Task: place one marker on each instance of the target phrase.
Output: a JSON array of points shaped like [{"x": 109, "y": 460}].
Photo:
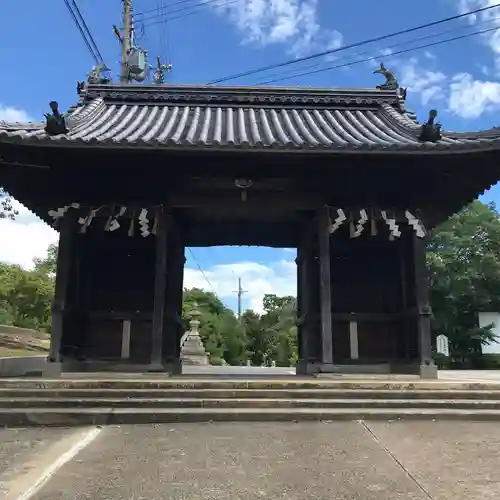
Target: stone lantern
[{"x": 192, "y": 350}]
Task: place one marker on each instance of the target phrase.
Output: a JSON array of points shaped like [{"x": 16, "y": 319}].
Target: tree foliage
[
  {"x": 464, "y": 268},
  {"x": 7, "y": 210},
  {"x": 47, "y": 265},
  {"x": 25, "y": 297}
]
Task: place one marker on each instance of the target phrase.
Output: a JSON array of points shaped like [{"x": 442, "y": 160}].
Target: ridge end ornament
[
  {"x": 391, "y": 82},
  {"x": 430, "y": 131},
  {"x": 55, "y": 121}
]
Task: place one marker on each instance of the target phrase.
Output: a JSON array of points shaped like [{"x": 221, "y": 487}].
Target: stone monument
[{"x": 192, "y": 350}]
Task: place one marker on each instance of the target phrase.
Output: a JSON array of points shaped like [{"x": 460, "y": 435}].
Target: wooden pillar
[
  {"x": 424, "y": 311},
  {"x": 353, "y": 340},
  {"x": 125, "y": 347},
  {"x": 63, "y": 270},
  {"x": 173, "y": 323},
  {"x": 325, "y": 286},
  {"x": 160, "y": 292},
  {"x": 302, "y": 320},
  {"x": 304, "y": 303}
]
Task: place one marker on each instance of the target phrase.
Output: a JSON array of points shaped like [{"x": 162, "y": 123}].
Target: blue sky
[{"x": 43, "y": 56}]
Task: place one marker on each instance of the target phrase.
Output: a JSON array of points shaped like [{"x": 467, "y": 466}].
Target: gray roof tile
[{"x": 259, "y": 118}]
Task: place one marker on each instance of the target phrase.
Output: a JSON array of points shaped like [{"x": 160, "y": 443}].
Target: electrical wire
[
  {"x": 91, "y": 38},
  {"x": 283, "y": 75},
  {"x": 192, "y": 9},
  {"x": 92, "y": 51},
  {"x": 352, "y": 45},
  {"x": 373, "y": 58},
  {"x": 202, "y": 272},
  {"x": 170, "y": 4},
  {"x": 164, "y": 35}
]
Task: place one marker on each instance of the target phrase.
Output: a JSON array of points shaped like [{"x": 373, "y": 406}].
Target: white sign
[{"x": 442, "y": 345}]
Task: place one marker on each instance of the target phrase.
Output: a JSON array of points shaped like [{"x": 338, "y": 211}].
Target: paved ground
[
  {"x": 240, "y": 371},
  {"x": 320, "y": 461},
  {"x": 257, "y": 371}
]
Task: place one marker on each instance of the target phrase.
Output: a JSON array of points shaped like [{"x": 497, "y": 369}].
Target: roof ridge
[{"x": 241, "y": 94}]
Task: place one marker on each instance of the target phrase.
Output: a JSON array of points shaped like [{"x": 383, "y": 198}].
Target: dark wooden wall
[
  {"x": 369, "y": 286},
  {"x": 112, "y": 280}
]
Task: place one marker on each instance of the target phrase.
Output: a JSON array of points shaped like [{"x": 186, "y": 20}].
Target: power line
[
  {"x": 368, "y": 59},
  {"x": 88, "y": 43},
  {"x": 202, "y": 272},
  {"x": 277, "y": 76},
  {"x": 192, "y": 9},
  {"x": 91, "y": 38},
  {"x": 165, "y": 6},
  {"x": 351, "y": 46},
  {"x": 164, "y": 35}
]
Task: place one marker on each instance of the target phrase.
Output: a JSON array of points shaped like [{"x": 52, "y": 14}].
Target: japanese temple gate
[{"x": 133, "y": 174}]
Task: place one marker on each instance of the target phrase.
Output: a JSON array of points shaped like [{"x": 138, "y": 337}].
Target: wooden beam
[{"x": 267, "y": 200}]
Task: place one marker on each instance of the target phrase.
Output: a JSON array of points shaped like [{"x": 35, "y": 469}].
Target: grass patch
[
  {"x": 23, "y": 342},
  {"x": 5, "y": 352}
]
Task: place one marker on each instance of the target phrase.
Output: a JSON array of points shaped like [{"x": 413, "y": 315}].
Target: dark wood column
[
  {"x": 300, "y": 307},
  {"x": 63, "y": 270},
  {"x": 325, "y": 286},
  {"x": 160, "y": 291},
  {"x": 422, "y": 300},
  {"x": 305, "y": 312},
  {"x": 173, "y": 323}
]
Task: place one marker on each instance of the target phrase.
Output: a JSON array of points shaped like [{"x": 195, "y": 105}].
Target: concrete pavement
[{"x": 320, "y": 461}]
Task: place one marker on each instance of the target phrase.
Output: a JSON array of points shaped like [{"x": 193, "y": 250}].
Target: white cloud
[
  {"x": 470, "y": 98},
  {"x": 465, "y": 96},
  {"x": 24, "y": 238},
  {"x": 428, "y": 84},
  {"x": 258, "y": 279},
  {"x": 10, "y": 114},
  {"x": 291, "y": 22},
  {"x": 491, "y": 17}
]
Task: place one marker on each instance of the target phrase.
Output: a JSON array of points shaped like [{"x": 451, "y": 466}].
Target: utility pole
[
  {"x": 240, "y": 293},
  {"x": 126, "y": 39}
]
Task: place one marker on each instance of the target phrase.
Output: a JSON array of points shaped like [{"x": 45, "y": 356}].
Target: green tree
[
  {"x": 7, "y": 210},
  {"x": 257, "y": 341},
  {"x": 464, "y": 268},
  {"x": 273, "y": 335},
  {"x": 223, "y": 337},
  {"x": 47, "y": 265},
  {"x": 25, "y": 297}
]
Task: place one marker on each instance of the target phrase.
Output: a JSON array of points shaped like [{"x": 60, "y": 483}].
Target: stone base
[
  {"x": 351, "y": 369},
  {"x": 195, "y": 360},
  {"x": 52, "y": 370},
  {"x": 156, "y": 367},
  {"x": 173, "y": 367},
  {"x": 301, "y": 367},
  {"x": 429, "y": 372}
]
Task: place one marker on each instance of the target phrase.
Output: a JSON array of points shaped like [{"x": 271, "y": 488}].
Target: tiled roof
[{"x": 245, "y": 118}]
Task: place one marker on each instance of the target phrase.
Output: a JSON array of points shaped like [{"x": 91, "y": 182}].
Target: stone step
[
  {"x": 140, "y": 382},
  {"x": 97, "y": 393},
  {"x": 19, "y": 417},
  {"x": 247, "y": 403}
]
